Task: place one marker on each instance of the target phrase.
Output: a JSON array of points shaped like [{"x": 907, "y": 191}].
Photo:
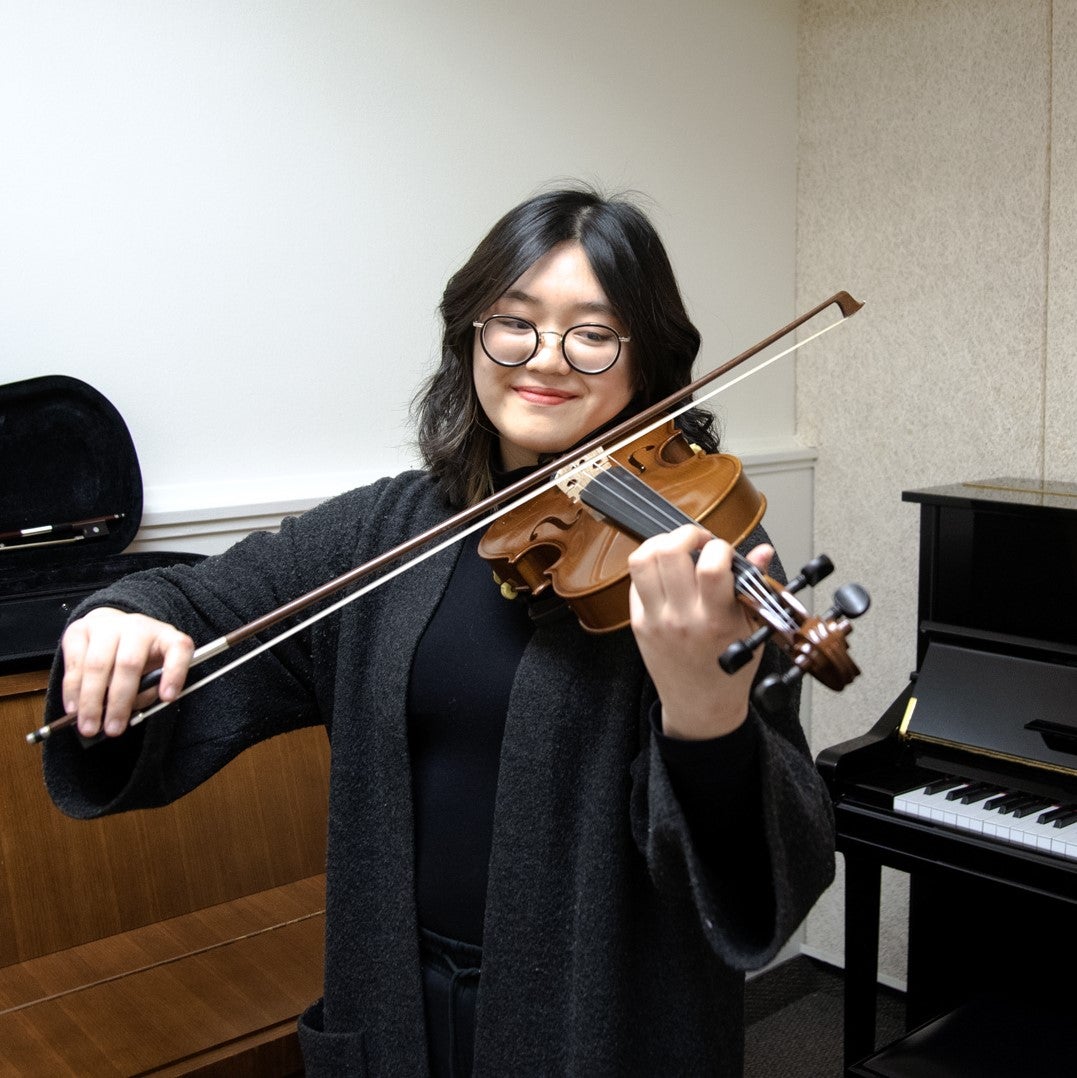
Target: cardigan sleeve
[
  {"x": 765, "y": 856},
  {"x": 175, "y": 750},
  {"x": 714, "y": 783},
  {"x": 743, "y": 823}
]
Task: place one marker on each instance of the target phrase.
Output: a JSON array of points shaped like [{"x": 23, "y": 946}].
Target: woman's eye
[
  {"x": 514, "y": 325},
  {"x": 594, "y": 335}
]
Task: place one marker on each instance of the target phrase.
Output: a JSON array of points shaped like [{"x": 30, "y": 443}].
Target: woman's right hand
[{"x": 106, "y": 653}]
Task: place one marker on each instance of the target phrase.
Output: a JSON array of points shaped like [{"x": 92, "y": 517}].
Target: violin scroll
[{"x": 816, "y": 645}]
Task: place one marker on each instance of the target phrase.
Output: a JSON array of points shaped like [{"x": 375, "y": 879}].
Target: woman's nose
[{"x": 549, "y": 354}]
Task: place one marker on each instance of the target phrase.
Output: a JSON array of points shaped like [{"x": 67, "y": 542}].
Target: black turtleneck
[{"x": 458, "y": 698}]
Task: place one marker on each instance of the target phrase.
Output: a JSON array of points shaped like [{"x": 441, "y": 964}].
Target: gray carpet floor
[{"x": 793, "y": 1016}]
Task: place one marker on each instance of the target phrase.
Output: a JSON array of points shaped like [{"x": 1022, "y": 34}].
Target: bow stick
[{"x": 471, "y": 519}]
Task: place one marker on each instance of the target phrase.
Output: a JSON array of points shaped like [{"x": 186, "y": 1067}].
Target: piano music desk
[{"x": 178, "y": 940}]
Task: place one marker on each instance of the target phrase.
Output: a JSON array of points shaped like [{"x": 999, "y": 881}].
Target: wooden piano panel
[
  {"x": 257, "y": 824},
  {"x": 175, "y": 991},
  {"x": 174, "y": 940}
]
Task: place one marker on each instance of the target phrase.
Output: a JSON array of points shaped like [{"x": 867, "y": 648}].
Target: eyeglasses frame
[{"x": 540, "y": 333}]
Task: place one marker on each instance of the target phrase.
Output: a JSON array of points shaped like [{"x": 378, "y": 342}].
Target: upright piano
[{"x": 968, "y": 783}]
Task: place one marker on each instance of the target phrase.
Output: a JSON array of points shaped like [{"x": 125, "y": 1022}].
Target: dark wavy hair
[{"x": 455, "y": 437}]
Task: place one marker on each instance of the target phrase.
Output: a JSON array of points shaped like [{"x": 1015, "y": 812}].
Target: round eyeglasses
[{"x": 511, "y": 341}]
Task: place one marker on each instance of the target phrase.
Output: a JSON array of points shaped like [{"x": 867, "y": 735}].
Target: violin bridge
[{"x": 574, "y": 477}]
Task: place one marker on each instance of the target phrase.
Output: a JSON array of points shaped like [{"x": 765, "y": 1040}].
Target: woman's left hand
[{"x": 684, "y": 615}]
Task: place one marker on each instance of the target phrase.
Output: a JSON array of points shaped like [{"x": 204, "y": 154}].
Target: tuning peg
[
  {"x": 739, "y": 652},
  {"x": 772, "y": 693},
  {"x": 850, "y": 600},
  {"x": 817, "y": 569},
  {"x": 736, "y": 655}
]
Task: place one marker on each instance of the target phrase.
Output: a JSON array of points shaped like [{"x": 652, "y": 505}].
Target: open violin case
[{"x": 70, "y": 505}]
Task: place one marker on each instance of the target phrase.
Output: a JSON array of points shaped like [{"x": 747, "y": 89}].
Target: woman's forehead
[{"x": 563, "y": 277}]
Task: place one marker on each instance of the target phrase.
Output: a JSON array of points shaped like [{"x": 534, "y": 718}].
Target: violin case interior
[{"x": 66, "y": 456}]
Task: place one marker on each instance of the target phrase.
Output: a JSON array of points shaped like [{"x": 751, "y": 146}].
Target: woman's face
[{"x": 545, "y": 406}]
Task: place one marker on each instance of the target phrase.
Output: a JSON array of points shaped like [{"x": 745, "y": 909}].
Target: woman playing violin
[{"x": 551, "y": 852}]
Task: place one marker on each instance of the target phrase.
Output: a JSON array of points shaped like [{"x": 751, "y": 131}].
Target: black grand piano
[{"x": 968, "y": 783}]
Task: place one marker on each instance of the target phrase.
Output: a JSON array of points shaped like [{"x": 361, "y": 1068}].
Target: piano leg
[{"x": 863, "y": 879}]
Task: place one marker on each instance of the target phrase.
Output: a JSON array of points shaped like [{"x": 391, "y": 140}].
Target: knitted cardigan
[{"x": 609, "y": 947}]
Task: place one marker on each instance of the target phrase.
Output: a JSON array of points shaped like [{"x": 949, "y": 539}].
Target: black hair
[{"x": 627, "y": 257}]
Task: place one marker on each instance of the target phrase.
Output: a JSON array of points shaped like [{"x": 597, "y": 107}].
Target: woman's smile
[{"x": 542, "y": 395}]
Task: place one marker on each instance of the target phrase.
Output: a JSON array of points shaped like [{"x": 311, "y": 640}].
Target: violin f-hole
[{"x": 635, "y": 461}]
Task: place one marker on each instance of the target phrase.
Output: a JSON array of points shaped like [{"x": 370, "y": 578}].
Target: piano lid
[
  {"x": 1000, "y": 705},
  {"x": 999, "y": 557},
  {"x": 1033, "y": 493}
]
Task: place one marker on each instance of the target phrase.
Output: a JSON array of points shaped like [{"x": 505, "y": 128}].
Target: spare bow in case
[{"x": 70, "y": 505}]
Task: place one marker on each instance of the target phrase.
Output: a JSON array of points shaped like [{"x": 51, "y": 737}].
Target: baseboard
[{"x": 838, "y": 962}]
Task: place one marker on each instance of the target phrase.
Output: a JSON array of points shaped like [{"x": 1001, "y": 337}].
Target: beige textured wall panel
[
  {"x": 1060, "y": 433},
  {"x": 923, "y": 190}
]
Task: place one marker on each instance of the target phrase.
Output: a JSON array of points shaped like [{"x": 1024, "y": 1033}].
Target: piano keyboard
[{"x": 1008, "y": 816}]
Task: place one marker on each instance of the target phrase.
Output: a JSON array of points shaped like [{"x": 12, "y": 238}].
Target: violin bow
[{"x": 471, "y": 519}]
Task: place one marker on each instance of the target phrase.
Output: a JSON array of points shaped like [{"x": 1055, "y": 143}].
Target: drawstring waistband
[{"x": 451, "y": 970}]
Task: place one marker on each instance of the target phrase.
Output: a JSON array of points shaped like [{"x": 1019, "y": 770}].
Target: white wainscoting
[
  {"x": 210, "y": 531},
  {"x": 208, "y": 519}
]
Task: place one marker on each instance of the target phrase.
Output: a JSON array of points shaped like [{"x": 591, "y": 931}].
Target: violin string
[
  {"x": 656, "y": 508},
  {"x": 626, "y": 488},
  {"x": 222, "y": 644}
]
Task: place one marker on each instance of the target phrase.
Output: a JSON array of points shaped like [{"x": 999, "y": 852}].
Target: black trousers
[{"x": 450, "y": 989}]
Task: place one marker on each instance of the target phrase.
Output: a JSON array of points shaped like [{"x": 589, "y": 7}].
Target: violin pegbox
[{"x": 816, "y": 645}]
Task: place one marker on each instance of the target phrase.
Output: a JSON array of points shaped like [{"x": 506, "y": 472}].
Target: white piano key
[{"x": 991, "y": 823}]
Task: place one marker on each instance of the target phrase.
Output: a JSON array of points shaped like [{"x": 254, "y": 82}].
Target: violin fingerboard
[{"x": 631, "y": 504}]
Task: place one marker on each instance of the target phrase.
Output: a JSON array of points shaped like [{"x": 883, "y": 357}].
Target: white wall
[{"x": 235, "y": 218}]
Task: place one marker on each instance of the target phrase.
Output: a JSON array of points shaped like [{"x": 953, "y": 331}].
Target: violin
[
  {"x": 815, "y": 645},
  {"x": 575, "y": 538},
  {"x": 554, "y": 542}
]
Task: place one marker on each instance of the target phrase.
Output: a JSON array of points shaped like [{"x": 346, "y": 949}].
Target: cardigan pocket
[{"x": 329, "y": 1055}]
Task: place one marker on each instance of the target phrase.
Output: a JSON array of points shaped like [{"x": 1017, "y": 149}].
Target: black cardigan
[{"x": 610, "y": 948}]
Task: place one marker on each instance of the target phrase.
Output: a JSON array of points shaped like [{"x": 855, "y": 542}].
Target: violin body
[{"x": 555, "y": 541}]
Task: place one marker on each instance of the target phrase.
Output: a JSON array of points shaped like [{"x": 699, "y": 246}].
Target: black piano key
[
  {"x": 939, "y": 785},
  {"x": 1035, "y": 804},
  {"x": 1003, "y": 802},
  {"x": 957, "y": 791},
  {"x": 1040, "y": 809},
  {"x": 978, "y": 791},
  {"x": 1017, "y": 802},
  {"x": 1066, "y": 819}
]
